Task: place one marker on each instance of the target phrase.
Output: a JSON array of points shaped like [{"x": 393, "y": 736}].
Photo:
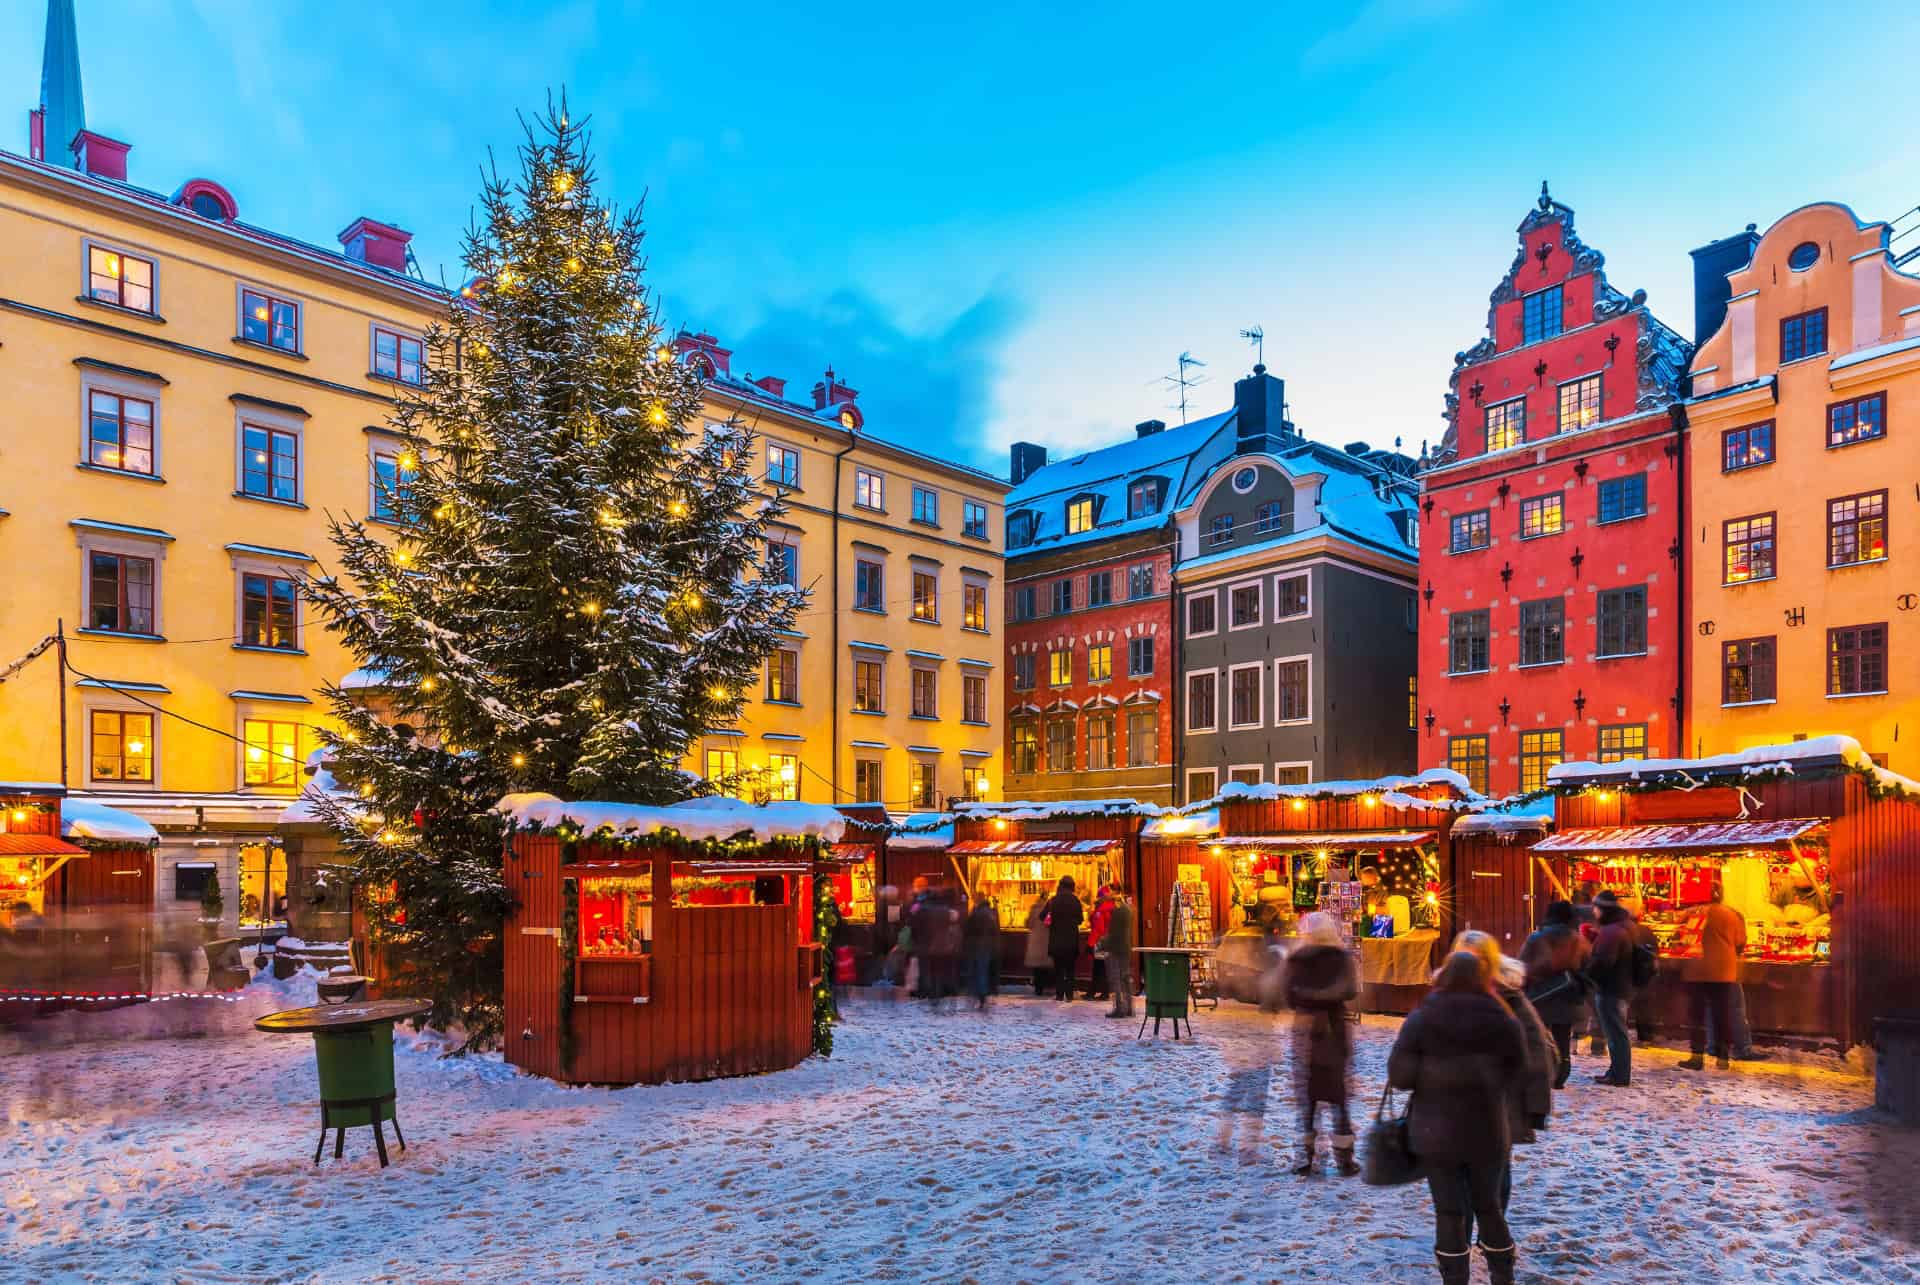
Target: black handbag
[{"x": 1389, "y": 1160}]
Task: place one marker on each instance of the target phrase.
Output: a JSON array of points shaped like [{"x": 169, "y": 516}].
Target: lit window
[
  {"x": 1471, "y": 531},
  {"x": 270, "y": 463},
  {"x": 1413, "y": 702},
  {"x": 269, "y": 615},
  {"x": 1626, "y": 741},
  {"x": 1026, "y": 748},
  {"x": 1080, "y": 516},
  {"x": 1541, "y": 515},
  {"x": 1747, "y": 672},
  {"x": 1467, "y": 755},
  {"x": 1579, "y": 403},
  {"x": 120, "y": 593},
  {"x": 1099, "y": 662},
  {"x": 120, "y": 432},
  {"x": 1861, "y": 420},
  {"x": 722, "y": 765},
  {"x": 267, "y": 320},
  {"x": 869, "y": 692},
  {"x": 1506, "y": 424},
  {"x": 783, "y": 675},
  {"x": 1745, "y": 447},
  {"x": 926, "y": 596},
  {"x": 1060, "y": 668},
  {"x": 1857, "y": 529},
  {"x": 122, "y": 748},
  {"x": 398, "y": 356},
  {"x": 973, "y": 606},
  {"x": 1749, "y": 548},
  {"x": 122, "y": 280},
  {"x": 1539, "y": 751},
  {"x": 272, "y": 752},
  {"x": 973, "y": 781},
  {"x": 783, "y": 773}
]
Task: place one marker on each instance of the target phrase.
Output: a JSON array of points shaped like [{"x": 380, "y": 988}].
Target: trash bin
[
  {"x": 353, "y": 1055},
  {"x": 1169, "y": 977}
]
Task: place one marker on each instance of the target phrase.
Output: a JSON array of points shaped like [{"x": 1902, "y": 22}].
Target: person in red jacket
[
  {"x": 1712, "y": 977},
  {"x": 1096, "y": 938}
]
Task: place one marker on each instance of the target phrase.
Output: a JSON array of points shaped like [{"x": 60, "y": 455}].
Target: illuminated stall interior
[{"x": 1013, "y": 872}]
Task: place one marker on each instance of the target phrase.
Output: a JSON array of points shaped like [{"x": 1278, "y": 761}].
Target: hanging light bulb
[
  {"x": 658, "y": 414},
  {"x": 407, "y": 461},
  {"x": 574, "y": 264},
  {"x": 718, "y": 692},
  {"x": 404, "y": 558},
  {"x": 563, "y": 182},
  {"x": 519, "y": 760},
  {"x": 427, "y": 684},
  {"x": 590, "y": 608},
  {"x": 665, "y": 354},
  {"x": 693, "y": 599},
  {"x": 677, "y": 508}
]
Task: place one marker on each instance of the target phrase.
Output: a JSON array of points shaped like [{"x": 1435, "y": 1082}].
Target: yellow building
[
  {"x": 887, "y": 691},
  {"x": 1804, "y": 473}
]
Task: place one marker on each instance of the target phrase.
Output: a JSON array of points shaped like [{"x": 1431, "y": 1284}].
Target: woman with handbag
[
  {"x": 1036, "y": 957},
  {"x": 1463, "y": 1056},
  {"x": 1555, "y": 957},
  {"x": 1320, "y": 981}
]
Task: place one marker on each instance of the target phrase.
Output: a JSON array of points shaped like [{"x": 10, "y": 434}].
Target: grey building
[{"x": 1295, "y": 607}]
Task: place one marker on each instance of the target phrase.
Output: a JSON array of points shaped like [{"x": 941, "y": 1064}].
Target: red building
[{"x": 1553, "y": 520}]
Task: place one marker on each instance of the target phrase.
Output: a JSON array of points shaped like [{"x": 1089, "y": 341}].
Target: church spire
[{"x": 60, "y": 94}]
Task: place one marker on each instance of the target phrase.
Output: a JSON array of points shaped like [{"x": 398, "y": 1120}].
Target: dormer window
[
  {"x": 1019, "y": 530},
  {"x": 1144, "y": 496},
  {"x": 848, "y": 419},
  {"x": 1080, "y": 514},
  {"x": 1540, "y": 315}
]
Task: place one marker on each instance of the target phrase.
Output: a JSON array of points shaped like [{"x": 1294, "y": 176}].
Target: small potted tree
[{"x": 213, "y": 907}]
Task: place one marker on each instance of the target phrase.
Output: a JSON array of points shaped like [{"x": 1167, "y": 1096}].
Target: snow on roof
[
  {"x": 304, "y": 809},
  {"x": 1388, "y": 788},
  {"x": 1761, "y": 760},
  {"x": 1509, "y": 816},
  {"x": 1859, "y": 355},
  {"x": 1202, "y": 824},
  {"x": 85, "y": 819},
  {"x": 923, "y": 830},
  {"x": 363, "y": 678},
  {"x": 1105, "y": 474},
  {"x": 1015, "y": 810},
  {"x": 702, "y": 818}
]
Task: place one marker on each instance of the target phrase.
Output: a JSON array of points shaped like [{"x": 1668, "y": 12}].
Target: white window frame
[
  {"x": 1187, "y": 602},
  {"x": 1278, "y": 661},
  {"x": 392, "y": 328},
  {"x": 799, "y": 463},
  {"x": 245, "y": 564},
  {"x": 1307, "y": 576},
  {"x": 240, "y": 289},
  {"x": 94, "y": 380},
  {"x": 1259, "y": 696},
  {"x": 1186, "y": 690},
  {"x": 253, "y": 413},
  {"x": 986, "y": 520},
  {"x": 863, "y": 476},
  {"x": 1259, "y": 773},
  {"x": 870, "y": 656},
  {"x": 980, "y": 676},
  {"x": 913, "y": 512},
  {"x": 88, "y": 245},
  {"x": 914, "y": 670},
  {"x": 107, "y": 704},
  {"x": 914, "y": 571},
  {"x": 799, "y": 667},
  {"x": 1260, "y": 605},
  {"x": 1306, "y": 763},
  {"x": 1212, "y": 775},
  {"x": 128, "y": 545},
  {"x": 968, "y": 582},
  {"x": 297, "y": 713},
  {"x": 915, "y": 762}
]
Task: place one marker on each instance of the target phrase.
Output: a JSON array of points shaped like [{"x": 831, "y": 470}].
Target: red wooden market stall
[{"x": 656, "y": 944}]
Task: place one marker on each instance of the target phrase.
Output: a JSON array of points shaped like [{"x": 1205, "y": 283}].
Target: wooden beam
[
  {"x": 1560, "y": 889},
  {"x": 46, "y": 872}
]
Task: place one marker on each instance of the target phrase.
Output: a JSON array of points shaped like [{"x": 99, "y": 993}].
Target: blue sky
[{"x": 1004, "y": 222}]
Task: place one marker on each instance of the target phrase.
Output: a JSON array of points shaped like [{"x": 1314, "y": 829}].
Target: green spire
[{"x": 60, "y": 92}]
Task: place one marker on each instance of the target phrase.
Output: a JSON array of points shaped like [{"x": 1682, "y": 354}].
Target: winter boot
[
  {"x": 1499, "y": 1264},
  {"x": 1721, "y": 1064},
  {"x": 1343, "y": 1155},
  {"x": 1455, "y": 1269},
  {"x": 1305, "y": 1168},
  {"x": 1694, "y": 1063}
]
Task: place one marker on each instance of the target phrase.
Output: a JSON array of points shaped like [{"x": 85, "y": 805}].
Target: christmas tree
[{"x": 567, "y": 594}]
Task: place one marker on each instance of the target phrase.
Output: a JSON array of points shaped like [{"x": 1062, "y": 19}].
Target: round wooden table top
[
  {"x": 1173, "y": 950},
  {"x": 341, "y": 1017}
]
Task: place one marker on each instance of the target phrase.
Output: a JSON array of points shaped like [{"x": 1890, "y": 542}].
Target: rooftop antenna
[
  {"x": 1258, "y": 338},
  {"x": 1183, "y": 381}
]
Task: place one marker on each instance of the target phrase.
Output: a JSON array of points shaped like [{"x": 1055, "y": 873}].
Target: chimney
[
  {"x": 1711, "y": 264},
  {"x": 100, "y": 156},
  {"x": 1028, "y": 459},
  {"x": 831, "y": 392},
  {"x": 771, "y": 385},
  {"x": 37, "y": 134},
  {"x": 1260, "y": 406},
  {"x": 1148, "y": 427},
  {"x": 378, "y": 245},
  {"x": 704, "y": 351},
  {"x": 1360, "y": 449}
]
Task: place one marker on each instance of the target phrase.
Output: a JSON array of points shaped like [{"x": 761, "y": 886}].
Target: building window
[
  {"x": 1292, "y": 773},
  {"x": 1747, "y": 671},
  {"x": 866, "y": 780},
  {"x": 721, "y": 764},
  {"x": 869, "y": 490},
  {"x": 783, "y": 466},
  {"x": 1140, "y": 581},
  {"x": 1062, "y": 597},
  {"x": 1201, "y": 615},
  {"x": 1467, "y": 755},
  {"x": 869, "y": 687},
  {"x": 1243, "y": 605},
  {"x": 973, "y": 698},
  {"x": 1413, "y": 702},
  {"x": 1471, "y": 531},
  {"x": 1857, "y": 660},
  {"x": 1244, "y": 696},
  {"x": 1060, "y": 669},
  {"x": 272, "y": 752},
  {"x": 783, "y": 773},
  {"x": 1143, "y": 737},
  {"x": 1020, "y": 530},
  {"x": 1857, "y": 529},
  {"x": 1746, "y": 447},
  {"x": 1023, "y": 603},
  {"x": 392, "y": 475},
  {"x": 270, "y": 463},
  {"x": 1143, "y": 498},
  {"x": 1060, "y": 745},
  {"x": 973, "y": 607},
  {"x": 1861, "y": 420},
  {"x": 1579, "y": 403},
  {"x": 399, "y": 357},
  {"x": 1467, "y": 634},
  {"x": 869, "y": 586},
  {"x": 1803, "y": 335},
  {"x": 1248, "y": 774},
  {"x": 1540, "y": 315},
  {"x": 1623, "y": 621},
  {"x": 926, "y": 596},
  {"x": 783, "y": 563},
  {"x": 973, "y": 781},
  {"x": 122, "y": 280},
  {"x": 267, "y": 320},
  {"x": 1623, "y": 497},
  {"x": 783, "y": 675},
  {"x": 1538, "y": 752},
  {"x": 1100, "y": 589},
  {"x": 1542, "y": 515},
  {"x": 1272, "y": 518},
  {"x": 1293, "y": 691},
  {"x": 1099, "y": 662},
  {"x": 925, "y": 693},
  {"x": 1099, "y": 742},
  {"x": 920, "y": 791},
  {"x": 1201, "y": 784},
  {"x": 1543, "y": 632},
  {"x": 926, "y": 506},
  {"x": 1023, "y": 672},
  {"x": 1506, "y": 424},
  {"x": 120, "y": 593},
  {"x": 1080, "y": 515},
  {"x": 1026, "y": 748},
  {"x": 1749, "y": 548},
  {"x": 973, "y": 519},
  {"x": 1290, "y": 597},
  {"x": 1625, "y": 741},
  {"x": 1220, "y": 531},
  {"x": 268, "y": 613},
  {"x": 122, "y": 746},
  {"x": 1203, "y": 714},
  {"x": 119, "y": 432},
  {"x": 1140, "y": 657}
]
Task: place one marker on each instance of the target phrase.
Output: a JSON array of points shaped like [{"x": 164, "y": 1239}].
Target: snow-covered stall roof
[
  {"x": 1203, "y": 823},
  {"x": 85, "y": 819},
  {"x": 1389, "y": 789},
  {"x": 923, "y": 830},
  {"x": 361, "y": 679},
  {"x": 304, "y": 809},
  {"x": 1761, "y": 761},
  {"x": 1696, "y": 836},
  {"x": 704, "y": 818},
  {"x": 1065, "y": 809},
  {"x": 1509, "y": 816}
]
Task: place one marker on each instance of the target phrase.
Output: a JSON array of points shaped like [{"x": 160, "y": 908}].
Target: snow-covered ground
[{"x": 1034, "y": 1143}]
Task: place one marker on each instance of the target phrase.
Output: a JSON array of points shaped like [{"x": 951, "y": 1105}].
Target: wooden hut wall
[
  {"x": 1876, "y": 871},
  {"x": 108, "y": 876},
  {"x": 1330, "y": 815},
  {"x": 1496, "y": 887},
  {"x": 901, "y": 866},
  {"x": 1159, "y": 865}
]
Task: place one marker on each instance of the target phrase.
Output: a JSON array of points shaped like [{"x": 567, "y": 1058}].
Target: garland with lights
[
  {"x": 674, "y": 844},
  {"x": 569, "y": 946},
  {"x": 826, "y": 917}
]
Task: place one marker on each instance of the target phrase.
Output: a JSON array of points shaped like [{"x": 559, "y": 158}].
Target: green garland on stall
[
  {"x": 675, "y": 844},
  {"x": 826, "y": 917},
  {"x": 569, "y": 944}
]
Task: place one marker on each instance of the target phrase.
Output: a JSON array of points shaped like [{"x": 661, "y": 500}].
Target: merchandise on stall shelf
[
  {"x": 1012, "y": 883},
  {"x": 616, "y": 916}
]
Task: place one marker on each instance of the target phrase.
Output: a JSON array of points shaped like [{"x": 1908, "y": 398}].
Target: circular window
[
  {"x": 1244, "y": 479},
  {"x": 1804, "y": 256}
]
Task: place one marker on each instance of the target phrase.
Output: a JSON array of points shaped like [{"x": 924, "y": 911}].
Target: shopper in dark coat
[
  {"x": 1610, "y": 968},
  {"x": 1463, "y": 1056},
  {"x": 982, "y": 947},
  {"x": 1527, "y": 1110},
  {"x": 1555, "y": 958},
  {"x": 1036, "y": 957},
  {"x": 1064, "y": 916},
  {"x": 1119, "y": 945},
  {"x": 1319, "y": 982}
]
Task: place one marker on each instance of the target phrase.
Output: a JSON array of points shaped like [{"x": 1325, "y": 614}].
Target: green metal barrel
[
  {"x": 1169, "y": 979},
  {"x": 356, "y": 1065}
]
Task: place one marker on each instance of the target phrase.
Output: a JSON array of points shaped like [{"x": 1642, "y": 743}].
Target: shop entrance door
[{"x": 263, "y": 886}]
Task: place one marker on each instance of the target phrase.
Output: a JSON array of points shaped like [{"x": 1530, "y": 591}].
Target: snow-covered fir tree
[{"x": 567, "y": 593}]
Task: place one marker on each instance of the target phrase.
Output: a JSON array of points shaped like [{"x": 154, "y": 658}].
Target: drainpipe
[
  {"x": 1684, "y": 682},
  {"x": 853, "y": 440},
  {"x": 1178, "y": 686}
]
